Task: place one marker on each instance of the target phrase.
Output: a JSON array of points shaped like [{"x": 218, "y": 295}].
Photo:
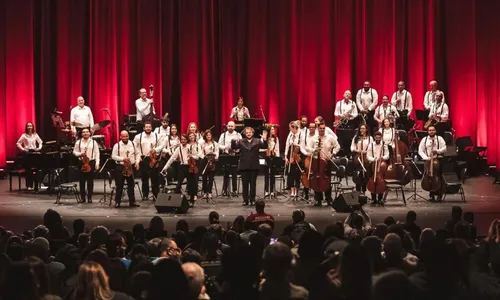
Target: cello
[
  {"x": 361, "y": 163},
  {"x": 399, "y": 169},
  {"x": 319, "y": 171},
  {"x": 376, "y": 183},
  {"x": 430, "y": 181}
]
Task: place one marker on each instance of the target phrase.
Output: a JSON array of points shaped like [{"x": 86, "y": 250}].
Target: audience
[{"x": 260, "y": 217}]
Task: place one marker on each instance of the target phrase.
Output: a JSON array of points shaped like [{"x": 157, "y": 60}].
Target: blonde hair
[
  {"x": 294, "y": 124},
  {"x": 92, "y": 283}
]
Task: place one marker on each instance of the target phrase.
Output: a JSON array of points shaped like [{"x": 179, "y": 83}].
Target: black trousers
[
  {"x": 249, "y": 181},
  {"x": 192, "y": 180},
  {"x": 269, "y": 178},
  {"x": 230, "y": 170},
  {"x": 119, "y": 181},
  {"x": 31, "y": 175},
  {"x": 318, "y": 196},
  {"x": 146, "y": 174},
  {"x": 377, "y": 197},
  {"x": 207, "y": 181},
  {"x": 294, "y": 176},
  {"x": 89, "y": 179}
]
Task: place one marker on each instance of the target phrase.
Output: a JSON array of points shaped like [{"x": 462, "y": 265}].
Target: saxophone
[
  {"x": 343, "y": 119},
  {"x": 127, "y": 168}
]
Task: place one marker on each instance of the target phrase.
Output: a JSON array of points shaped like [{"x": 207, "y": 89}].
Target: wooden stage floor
[{"x": 23, "y": 210}]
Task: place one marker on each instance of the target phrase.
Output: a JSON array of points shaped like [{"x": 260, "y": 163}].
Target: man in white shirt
[
  {"x": 303, "y": 125},
  {"x": 328, "y": 131},
  {"x": 345, "y": 110},
  {"x": 125, "y": 152},
  {"x": 439, "y": 112},
  {"x": 385, "y": 111},
  {"x": 367, "y": 100},
  {"x": 430, "y": 96},
  {"x": 81, "y": 115},
  {"x": 402, "y": 100},
  {"x": 240, "y": 112},
  {"x": 146, "y": 142},
  {"x": 143, "y": 106},
  {"x": 432, "y": 146},
  {"x": 89, "y": 148},
  {"x": 377, "y": 150},
  {"x": 225, "y": 146},
  {"x": 164, "y": 130}
]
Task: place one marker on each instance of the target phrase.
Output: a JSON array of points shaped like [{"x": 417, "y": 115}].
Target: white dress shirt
[
  {"x": 390, "y": 112},
  {"x": 170, "y": 143},
  {"x": 328, "y": 131},
  {"x": 292, "y": 140},
  {"x": 388, "y": 136},
  {"x": 426, "y": 147},
  {"x": 439, "y": 110},
  {"x": 367, "y": 100},
  {"x": 209, "y": 148},
  {"x": 240, "y": 114},
  {"x": 304, "y": 146},
  {"x": 430, "y": 98},
  {"x": 82, "y": 115},
  {"x": 162, "y": 132},
  {"x": 273, "y": 144},
  {"x": 182, "y": 154},
  {"x": 342, "y": 108},
  {"x": 120, "y": 150},
  {"x": 225, "y": 140},
  {"x": 143, "y": 107},
  {"x": 329, "y": 146},
  {"x": 375, "y": 151},
  {"x": 362, "y": 144},
  {"x": 89, "y": 147},
  {"x": 29, "y": 142},
  {"x": 144, "y": 141},
  {"x": 405, "y": 103}
]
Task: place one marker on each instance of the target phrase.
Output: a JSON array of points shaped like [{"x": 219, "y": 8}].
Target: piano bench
[
  {"x": 19, "y": 173},
  {"x": 70, "y": 188}
]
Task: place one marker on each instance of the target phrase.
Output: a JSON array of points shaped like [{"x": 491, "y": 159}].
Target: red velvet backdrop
[{"x": 291, "y": 57}]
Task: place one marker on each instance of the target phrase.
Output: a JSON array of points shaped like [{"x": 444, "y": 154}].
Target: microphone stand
[
  {"x": 103, "y": 198},
  {"x": 415, "y": 195}
]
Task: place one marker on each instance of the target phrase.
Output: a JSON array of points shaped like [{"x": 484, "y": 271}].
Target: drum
[{"x": 100, "y": 141}]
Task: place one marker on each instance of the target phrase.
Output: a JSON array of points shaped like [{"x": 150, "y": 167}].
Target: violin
[
  {"x": 376, "y": 183},
  {"x": 85, "y": 162},
  {"x": 153, "y": 158},
  {"x": 305, "y": 175},
  {"x": 192, "y": 164},
  {"x": 127, "y": 168},
  {"x": 210, "y": 166},
  {"x": 430, "y": 181},
  {"x": 295, "y": 155}
]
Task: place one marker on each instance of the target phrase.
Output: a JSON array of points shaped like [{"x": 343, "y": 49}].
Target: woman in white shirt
[
  {"x": 388, "y": 134},
  {"x": 170, "y": 143},
  {"x": 209, "y": 154},
  {"x": 29, "y": 142}
]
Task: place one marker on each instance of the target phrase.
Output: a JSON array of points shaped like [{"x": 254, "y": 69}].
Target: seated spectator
[
  {"x": 392, "y": 285},
  {"x": 248, "y": 231},
  {"x": 139, "y": 234},
  {"x": 357, "y": 224},
  {"x": 156, "y": 229},
  {"x": 20, "y": 283},
  {"x": 389, "y": 221},
  {"x": 469, "y": 218},
  {"x": 190, "y": 255},
  {"x": 456, "y": 216},
  {"x": 168, "y": 281},
  {"x": 372, "y": 246},
  {"x": 238, "y": 224},
  {"x": 260, "y": 217},
  {"x": 412, "y": 227},
  {"x": 182, "y": 225},
  {"x": 196, "y": 278},
  {"x": 396, "y": 257},
  {"x": 78, "y": 228},
  {"x": 335, "y": 230},
  {"x": 213, "y": 218}
]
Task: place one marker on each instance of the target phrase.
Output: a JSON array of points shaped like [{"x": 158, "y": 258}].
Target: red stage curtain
[{"x": 289, "y": 57}]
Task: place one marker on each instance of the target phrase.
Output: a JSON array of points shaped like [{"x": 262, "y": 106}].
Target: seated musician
[
  {"x": 359, "y": 147},
  {"x": 385, "y": 111},
  {"x": 388, "y": 134},
  {"x": 440, "y": 112},
  {"x": 402, "y": 100},
  {"x": 324, "y": 147},
  {"x": 272, "y": 151},
  {"x": 367, "y": 100},
  {"x": 209, "y": 154},
  {"x": 183, "y": 153},
  {"x": 240, "y": 112},
  {"x": 30, "y": 142},
  {"x": 346, "y": 111},
  {"x": 311, "y": 133},
  {"x": 432, "y": 146},
  {"x": 430, "y": 96},
  {"x": 89, "y": 148},
  {"x": 225, "y": 147},
  {"x": 125, "y": 155},
  {"x": 377, "y": 150},
  {"x": 293, "y": 168}
]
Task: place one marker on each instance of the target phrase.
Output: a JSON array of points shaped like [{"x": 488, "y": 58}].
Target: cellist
[
  {"x": 432, "y": 146},
  {"x": 325, "y": 147},
  {"x": 359, "y": 147},
  {"x": 377, "y": 150}
]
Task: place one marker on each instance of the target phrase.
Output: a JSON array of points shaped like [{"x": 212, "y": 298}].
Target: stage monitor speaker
[
  {"x": 172, "y": 203},
  {"x": 348, "y": 202}
]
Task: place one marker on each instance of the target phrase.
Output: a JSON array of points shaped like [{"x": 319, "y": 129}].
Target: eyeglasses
[{"x": 172, "y": 250}]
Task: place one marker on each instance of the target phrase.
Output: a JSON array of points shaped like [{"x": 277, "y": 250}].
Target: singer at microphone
[{"x": 81, "y": 117}]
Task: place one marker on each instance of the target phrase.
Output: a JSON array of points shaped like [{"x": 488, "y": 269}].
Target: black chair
[
  {"x": 125, "y": 186},
  {"x": 67, "y": 188},
  {"x": 395, "y": 185},
  {"x": 456, "y": 183}
]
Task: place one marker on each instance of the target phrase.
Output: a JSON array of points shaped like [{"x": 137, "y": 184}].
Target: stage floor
[{"x": 24, "y": 210}]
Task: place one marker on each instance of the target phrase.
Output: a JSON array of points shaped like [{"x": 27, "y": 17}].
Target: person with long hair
[
  {"x": 93, "y": 284},
  {"x": 170, "y": 143},
  {"x": 193, "y": 128},
  {"x": 359, "y": 147},
  {"x": 272, "y": 151},
  {"x": 29, "y": 142},
  {"x": 240, "y": 112},
  {"x": 209, "y": 153}
]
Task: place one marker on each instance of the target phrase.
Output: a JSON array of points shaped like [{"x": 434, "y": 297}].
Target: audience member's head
[
  {"x": 335, "y": 230},
  {"x": 411, "y": 217},
  {"x": 140, "y": 284},
  {"x": 78, "y": 226},
  {"x": 181, "y": 239},
  {"x": 182, "y": 225},
  {"x": 139, "y": 233},
  {"x": 462, "y": 230},
  {"x": 393, "y": 285},
  {"x": 190, "y": 255},
  {"x": 92, "y": 282},
  {"x": 469, "y": 217},
  {"x": 357, "y": 222},
  {"x": 168, "y": 248},
  {"x": 284, "y": 239},
  {"x": 393, "y": 246},
  {"x": 311, "y": 246},
  {"x": 239, "y": 224},
  {"x": 168, "y": 281},
  {"x": 389, "y": 221},
  {"x": 99, "y": 236},
  {"x": 41, "y": 274},
  {"x": 298, "y": 216},
  {"x": 213, "y": 217},
  {"x": 41, "y": 231},
  {"x": 276, "y": 261},
  {"x": 195, "y": 277},
  {"x": 381, "y": 230},
  {"x": 456, "y": 213},
  {"x": 259, "y": 206},
  {"x": 20, "y": 282},
  {"x": 372, "y": 246}
]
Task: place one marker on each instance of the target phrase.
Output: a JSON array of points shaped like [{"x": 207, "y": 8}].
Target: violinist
[
  {"x": 30, "y": 142},
  {"x": 292, "y": 158},
  {"x": 209, "y": 154},
  {"x": 311, "y": 133},
  {"x": 87, "y": 148},
  {"x": 225, "y": 146},
  {"x": 164, "y": 130},
  {"x": 359, "y": 147},
  {"x": 388, "y": 134},
  {"x": 194, "y": 156},
  {"x": 272, "y": 151},
  {"x": 432, "y": 146},
  {"x": 169, "y": 144},
  {"x": 377, "y": 150},
  {"x": 148, "y": 144},
  {"x": 193, "y": 128},
  {"x": 125, "y": 153},
  {"x": 182, "y": 154},
  {"x": 385, "y": 111},
  {"x": 248, "y": 164},
  {"x": 345, "y": 112},
  {"x": 324, "y": 147}
]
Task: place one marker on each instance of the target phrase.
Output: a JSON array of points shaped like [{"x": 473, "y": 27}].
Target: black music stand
[
  {"x": 228, "y": 161},
  {"x": 422, "y": 115},
  {"x": 415, "y": 197},
  {"x": 256, "y": 124},
  {"x": 345, "y": 137},
  {"x": 105, "y": 178},
  {"x": 275, "y": 163}
]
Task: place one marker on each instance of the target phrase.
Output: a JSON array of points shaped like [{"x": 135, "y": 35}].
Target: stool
[
  {"x": 68, "y": 188},
  {"x": 19, "y": 173},
  {"x": 125, "y": 186},
  {"x": 394, "y": 185}
]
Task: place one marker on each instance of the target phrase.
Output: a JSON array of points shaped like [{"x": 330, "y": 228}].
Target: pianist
[{"x": 29, "y": 142}]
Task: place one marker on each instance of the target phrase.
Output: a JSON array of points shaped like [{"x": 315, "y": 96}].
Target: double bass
[
  {"x": 399, "y": 169},
  {"x": 151, "y": 116},
  {"x": 376, "y": 183},
  {"x": 431, "y": 181},
  {"x": 319, "y": 171},
  {"x": 361, "y": 162}
]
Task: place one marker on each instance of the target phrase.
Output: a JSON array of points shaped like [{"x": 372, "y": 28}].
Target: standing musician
[
  {"x": 209, "y": 154},
  {"x": 183, "y": 153},
  {"x": 328, "y": 131},
  {"x": 193, "y": 128},
  {"x": 248, "y": 165},
  {"x": 30, "y": 142},
  {"x": 164, "y": 129},
  {"x": 325, "y": 147},
  {"x": 388, "y": 134},
  {"x": 225, "y": 147},
  {"x": 194, "y": 156},
  {"x": 367, "y": 100},
  {"x": 88, "y": 151},
  {"x": 430, "y": 96},
  {"x": 303, "y": 125},
  {"x": 126, "y": 156},
  {"x": 143, "y": 106},
  {"x": 170, "y": 143},
  {"x": 385, "y": 111},
  {"x": 148, "y": 145},
  {"x": 240, "y": 112},
  {"x": 311, "y": 133},
  {"x": 292, "y": 157},
  {"x": 432, "y": 146},
  {"x": 272, "y": 151},
  {"x": 82, "y": 115},
  {"x": 377, "y": 150},
  {"x": 402, "y": 100},
  {"x": 359, "y": 147},
  {"x": 345, "y": 112},
  {"x": 439, "y": 114}
]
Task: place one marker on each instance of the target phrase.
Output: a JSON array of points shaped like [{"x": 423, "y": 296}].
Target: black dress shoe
[
  {"x": 117, "y": 205},
  {"x": 89, "y": 200},
  {"x": 133, "y": 205},
  {"x": 245, "y": 204},
  {"x": 318, "y": 204}
]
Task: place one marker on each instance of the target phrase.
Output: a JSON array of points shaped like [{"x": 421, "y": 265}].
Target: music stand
[
  {"x": 256, "y": 124},
  {"x": 415, "y": 196},
  {"x": 276, "y": 163},
  {"x": 345, "y": 137},
  {"x": 103, "y": 198},
  {"x": 226, "y": 161},
  {"x": 422, "y": 115}
]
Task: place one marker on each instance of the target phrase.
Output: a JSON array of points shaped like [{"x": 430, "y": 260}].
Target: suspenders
[{"x": 80, "y": 146}]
